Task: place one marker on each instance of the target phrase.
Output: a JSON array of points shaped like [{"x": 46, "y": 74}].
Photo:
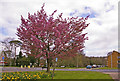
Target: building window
[{"x": 118, "y": 61}]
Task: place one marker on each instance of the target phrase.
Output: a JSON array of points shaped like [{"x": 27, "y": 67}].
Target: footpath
[{"x": 114, "y": 75}]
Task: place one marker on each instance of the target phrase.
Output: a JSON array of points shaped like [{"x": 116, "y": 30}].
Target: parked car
[
  {"x": 94, "y": 66},
  {"x": 89, "y": 67},
  {"x": 98, "y": 66},
  {"x": 2, "y": 63},
  {"x": 62, "y": 66}
]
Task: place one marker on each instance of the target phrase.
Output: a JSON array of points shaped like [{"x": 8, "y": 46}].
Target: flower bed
[{"x": 25, "y": 75}]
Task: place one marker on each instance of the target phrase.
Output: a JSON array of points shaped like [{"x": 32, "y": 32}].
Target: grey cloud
[
  {"x": 102, "y": 35},
  {"x": 104, "y": 41}
]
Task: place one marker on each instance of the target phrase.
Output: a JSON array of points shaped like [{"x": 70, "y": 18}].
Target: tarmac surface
[{"x": 15, "y": 69}]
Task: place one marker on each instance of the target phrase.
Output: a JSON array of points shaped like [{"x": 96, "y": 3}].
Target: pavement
[{"x": 114, "y": 75}]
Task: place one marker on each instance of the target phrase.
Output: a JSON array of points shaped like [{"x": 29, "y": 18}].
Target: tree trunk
[
  {"x": 77, "y": 61},
  {"x": 38, "y": 62},
  {"x": 48, "y": 65},
  {"x": 54, "y": 65}
]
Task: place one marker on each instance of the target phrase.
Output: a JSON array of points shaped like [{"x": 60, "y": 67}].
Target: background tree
[
  {"x": 23, "y": 61},
  {"x": 45, "y": 36},
  {"x": 7, "y": 50},
  {"x": 83, "y": 61},
  {"x": 32, "y": 59},
  {"x": 20, "y": 54},
  {"x": 15, "y": 44},
  {"x": 7, "y": 47}
]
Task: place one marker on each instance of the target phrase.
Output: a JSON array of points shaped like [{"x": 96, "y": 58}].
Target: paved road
[{"x": 14, "y": 69}]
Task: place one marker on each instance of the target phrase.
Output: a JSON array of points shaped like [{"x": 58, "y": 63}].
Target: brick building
[
  {"x": 1, "y": 60},
  {"x": 113, "y": 59}
]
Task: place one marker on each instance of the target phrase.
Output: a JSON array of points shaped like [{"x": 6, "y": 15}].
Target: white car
[{"x": 94, "y": 66}]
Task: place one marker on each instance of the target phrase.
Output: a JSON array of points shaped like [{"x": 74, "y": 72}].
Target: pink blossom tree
[{"x": 49, "y": 37}]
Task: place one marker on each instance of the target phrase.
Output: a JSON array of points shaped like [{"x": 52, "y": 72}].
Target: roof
[
  {"x": 112, "y": 52},
  {"x": 109, "y": 53}
]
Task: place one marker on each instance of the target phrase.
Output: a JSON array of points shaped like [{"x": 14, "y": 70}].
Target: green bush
[{"x": 23, "y": 61}]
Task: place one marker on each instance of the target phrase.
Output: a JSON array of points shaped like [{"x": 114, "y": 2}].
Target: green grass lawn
[
  {"x": 58, "y": 75},
  {"x": 80, "y": 75},
  {"x": 106, "y": 68},
  {"x": 9, "y": 66},
  {"x": 67, "y": 67}
]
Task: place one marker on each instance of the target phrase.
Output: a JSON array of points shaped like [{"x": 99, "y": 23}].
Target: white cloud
[{"x": 102, "y": 31}]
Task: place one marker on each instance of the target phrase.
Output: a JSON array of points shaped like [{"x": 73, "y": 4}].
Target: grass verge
[
  {"x": 106, "y": 68},
  {"x": 80, "y": 75},
  {"x": 67, "y": 67},
  {"x": 58, "y": 75}
]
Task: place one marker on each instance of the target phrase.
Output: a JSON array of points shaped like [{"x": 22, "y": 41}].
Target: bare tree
[
  {"x": 7, "y": 47},
  {"x": 15, "y": 44},
  {"x": 10, "y": 46}
]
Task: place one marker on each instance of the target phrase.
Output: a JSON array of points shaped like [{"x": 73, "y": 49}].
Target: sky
[{"x": 102, "y": 31}]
